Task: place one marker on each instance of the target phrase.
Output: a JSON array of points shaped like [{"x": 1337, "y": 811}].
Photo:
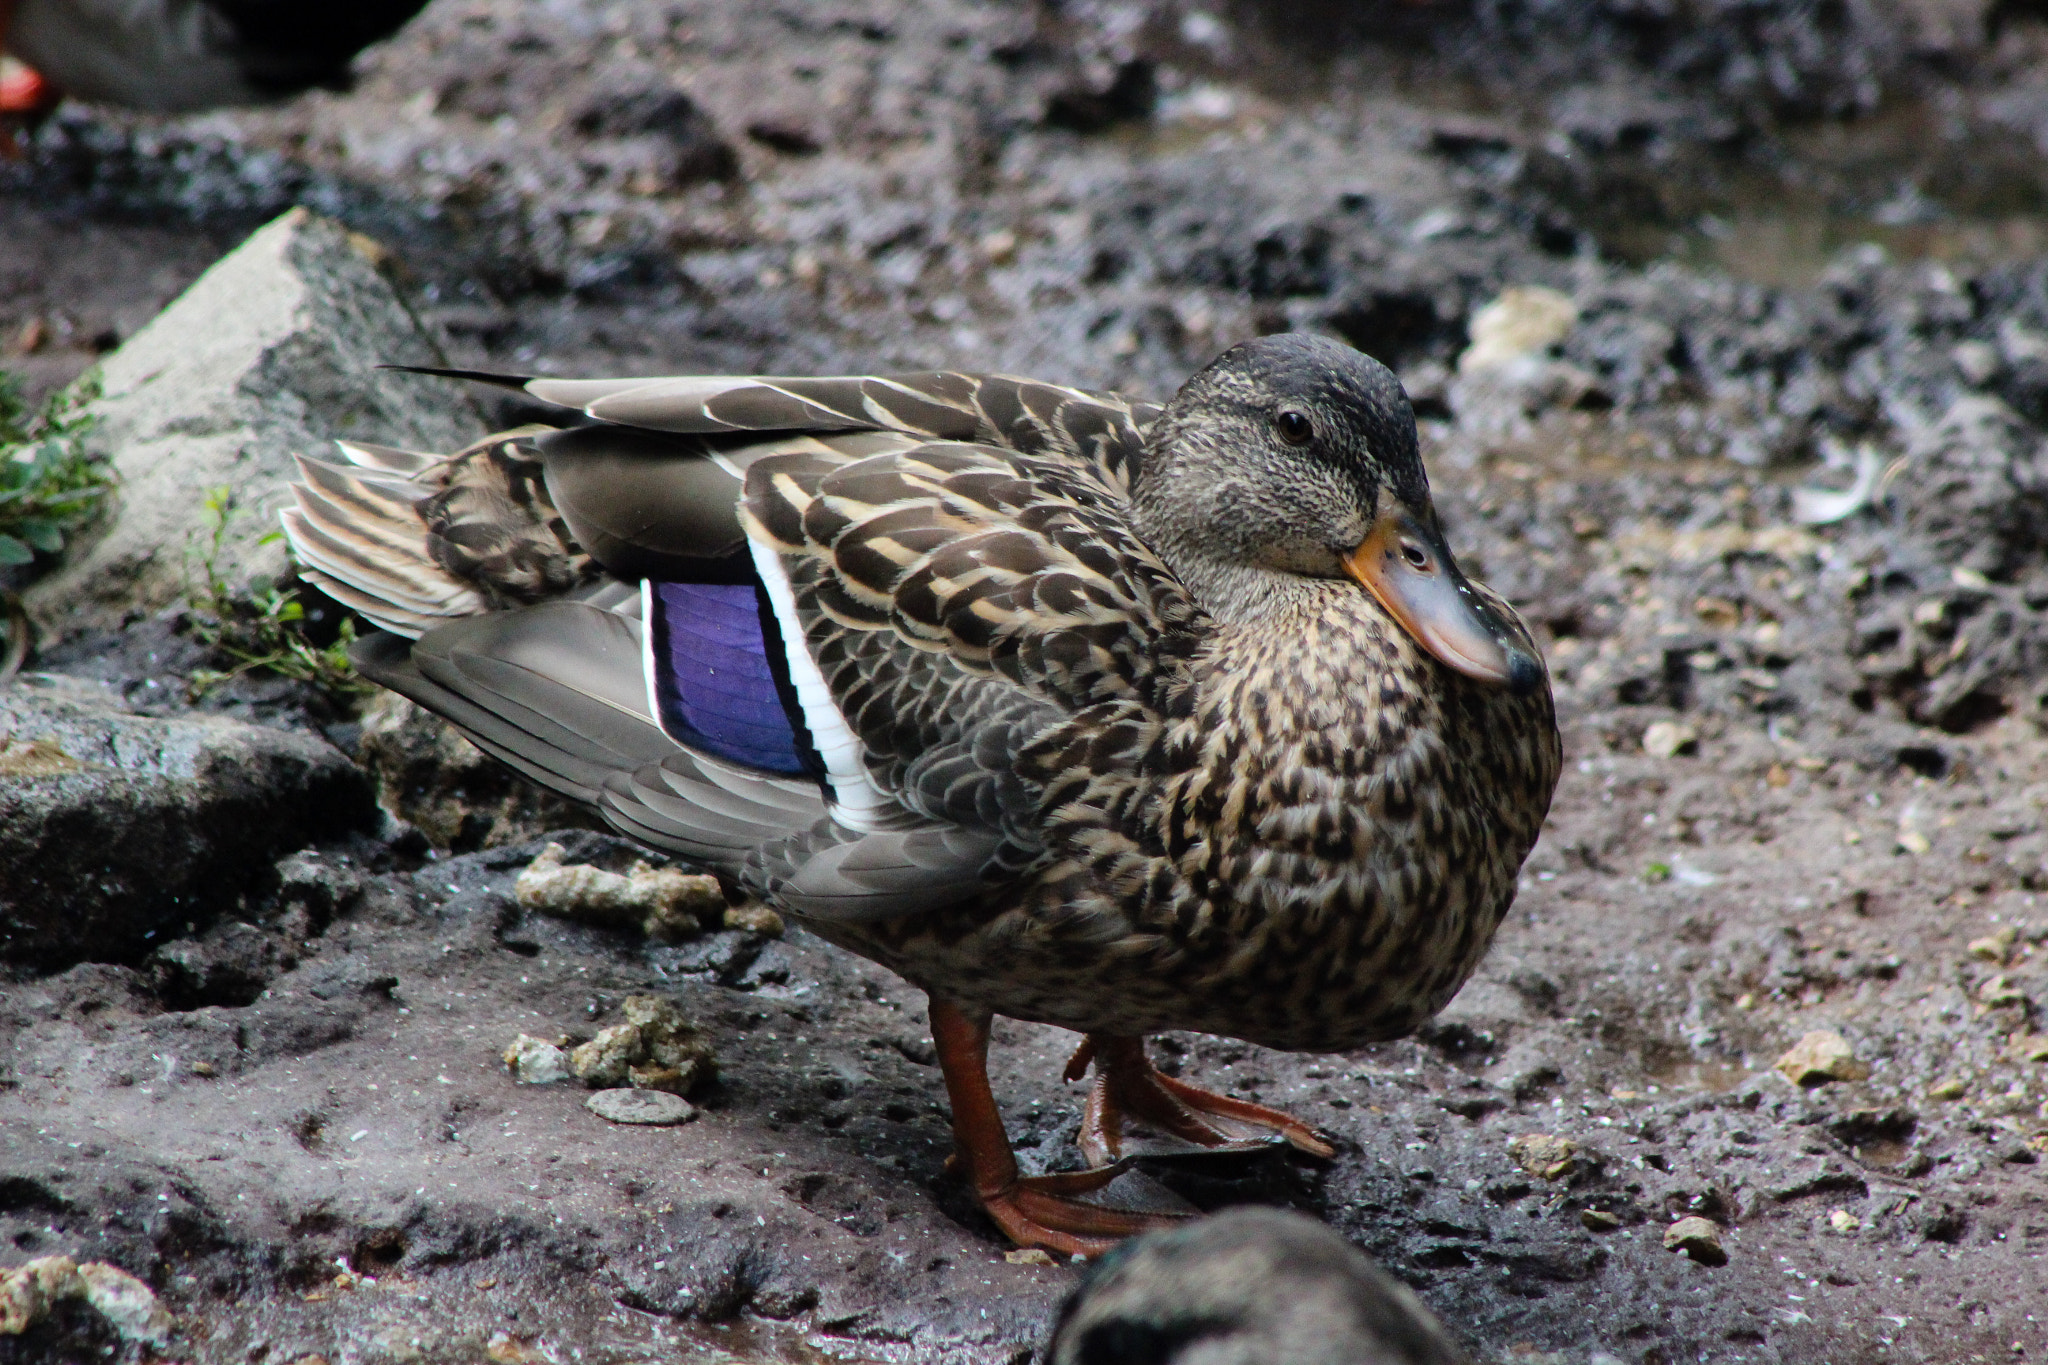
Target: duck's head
[
  {"x": 1294, "y": 457},
  {"x": 1247, "y": 1287}
]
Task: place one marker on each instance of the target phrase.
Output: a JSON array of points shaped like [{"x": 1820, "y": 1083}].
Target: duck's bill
[{"x": 1407, "y": 566}]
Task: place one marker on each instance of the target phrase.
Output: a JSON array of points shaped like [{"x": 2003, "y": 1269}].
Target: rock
[
  {"x": 655, "y": 1049},
  {"x": 661, "y": 902},
  {"x": 1541, "y": 1154},
  {"x": 1522, "y": 321},
  {"x": 229, "y": 964},
  {"x": 1667, "y": 738},
  {"x": 1994, "y": 947},
  {"x": 2000, "y": 990},
  {"x": 1843, "y": 1221},
  {"x": 605, "y": 1060},
  {"x": 154, "y": 821},
  {"x": 1948, "y": 1088},
  {"x": 536, "y": 1061},
  {"x": 754, "y": 918},
  {"x": 687, "y": 145},
  {"x": 2027, "y": 1047},
  {"x": 1598, "y": 1220},
  {"x": 1698, "y": 1238},
  {"x": 30, "y": 1292},
  {"x": 656, "y": 1108},
  {"x": 670, "y": 1041},
  {"x": 1507, "y": 375},
  {"x": 126, "y": 1303},
  {"x": 460, "y": 798},
  {"x": 272, "y": 352},
  {"x": 1821, "y": 1057}
]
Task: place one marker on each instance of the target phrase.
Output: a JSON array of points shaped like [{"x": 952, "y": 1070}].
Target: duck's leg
[
  {"x": 1032, "y": 1211},
  {"x": 1127, "y": 1084}
]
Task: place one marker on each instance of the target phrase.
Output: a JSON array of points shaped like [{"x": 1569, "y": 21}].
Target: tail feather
[
  {"x": 413, "y": 540},
  {"x": 361, "y": 540},
  {"x": 388, "y": 459},
  {"x": 355, "y": 563}
]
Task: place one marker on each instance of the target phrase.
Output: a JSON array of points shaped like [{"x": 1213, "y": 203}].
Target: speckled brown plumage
[
  {"x": 1119, "y": 718},
  {"x": 1303, "y": 834}
]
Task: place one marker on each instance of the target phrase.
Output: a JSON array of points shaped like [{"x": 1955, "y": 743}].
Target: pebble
[
  {"x": 1698, "y": 1238},
  {"x": 1841, "y": 1220},
  {"x": 1821, "y": 1057},
  {"x": 656, "y": 1108},
  {"x": 2000, "y": 991},
  {"x": 1947, "y": 1088},
  {"x": 1029, "y": 1256},
  {"x": 1667, "y": 738},
  {"x": 2027, "y": 1047},
  {"x": 1994, "y": 947},
  {"x": 1544, "y": 1155},
  {"x": 1598, "y": 1220},
  {"x": 754, "y": 918},
  {"x": 1523, "y": 320},
  {"x": 536, "y": 1061}
]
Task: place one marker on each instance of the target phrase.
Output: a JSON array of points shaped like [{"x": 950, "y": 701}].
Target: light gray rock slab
[
  {"x": 272, "y": 352},
  {"x": 116, "y": 826}
]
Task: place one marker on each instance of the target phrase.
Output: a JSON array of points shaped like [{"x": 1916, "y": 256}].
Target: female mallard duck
[
  {"x": 1068, "y": 708},
  {"x": 1247, "y": 1287},
  {"x": 172, "y": 56}
]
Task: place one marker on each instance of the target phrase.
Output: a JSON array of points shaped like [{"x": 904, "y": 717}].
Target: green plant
[
  {"x": 50, "y": 485},
  {"x": 261, "y": 631}
]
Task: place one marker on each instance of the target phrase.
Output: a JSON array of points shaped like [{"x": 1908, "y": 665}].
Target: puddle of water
[{"x": 1908, "y": 179}]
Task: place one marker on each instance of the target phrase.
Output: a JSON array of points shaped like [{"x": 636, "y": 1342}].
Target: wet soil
[{"x": 294, "y": 1120}]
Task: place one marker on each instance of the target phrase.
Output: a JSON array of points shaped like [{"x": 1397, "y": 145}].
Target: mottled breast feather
[{"x": 1305, "y": 835}]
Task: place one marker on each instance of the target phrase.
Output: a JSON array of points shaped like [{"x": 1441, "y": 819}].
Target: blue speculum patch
[{"x": 716, "y": 678}]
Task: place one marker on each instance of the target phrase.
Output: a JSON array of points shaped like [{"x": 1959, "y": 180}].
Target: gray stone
[
  {"x": 272, "y": 352},
  {"x": 115, "y": 826},
  {"x": 654, "y": 1107}
]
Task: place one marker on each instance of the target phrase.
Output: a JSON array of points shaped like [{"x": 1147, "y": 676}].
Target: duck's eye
[
  {"x": 1294, "y": 427},
  {"x": 1417, "y": 557}
]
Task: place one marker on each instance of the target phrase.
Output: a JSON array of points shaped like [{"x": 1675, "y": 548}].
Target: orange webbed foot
[
  {"x": 1044, "y": 1211},
  {"x": 1127, "y": 1085}
]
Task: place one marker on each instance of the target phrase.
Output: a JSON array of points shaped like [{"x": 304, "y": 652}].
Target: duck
[
  {"x": 1248, "y": 1286},
  {"x": 1068, "y": 707},
  {"x": 177, "y": 56}
]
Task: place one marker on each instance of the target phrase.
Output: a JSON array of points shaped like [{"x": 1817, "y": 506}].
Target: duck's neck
[{"x": 1238, "y": 594}]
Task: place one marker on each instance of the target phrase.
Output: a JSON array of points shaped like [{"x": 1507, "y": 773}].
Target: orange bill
[{"x": 1407, "y": 566}]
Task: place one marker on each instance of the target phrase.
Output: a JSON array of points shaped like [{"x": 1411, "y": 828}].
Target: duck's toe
[
  {"x": 1128, "y": 1088},
  {"x": 1053, "y": 1212}
]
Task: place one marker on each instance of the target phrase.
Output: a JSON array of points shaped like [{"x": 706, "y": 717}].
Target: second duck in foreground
[{"x": 1062, "y": 706}]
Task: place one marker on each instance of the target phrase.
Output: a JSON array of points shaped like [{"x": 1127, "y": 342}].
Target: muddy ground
[{"x": 1791, "y": 233}]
